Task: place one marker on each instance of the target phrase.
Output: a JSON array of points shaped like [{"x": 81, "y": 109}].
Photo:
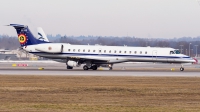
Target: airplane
[{"x": 95, "y": 56}]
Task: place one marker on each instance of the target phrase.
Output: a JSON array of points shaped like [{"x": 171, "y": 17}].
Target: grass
[{"x": 99, "y": 94}]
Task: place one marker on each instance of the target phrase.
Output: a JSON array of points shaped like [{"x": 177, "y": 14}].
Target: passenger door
[{"x": 171, "y": 58}]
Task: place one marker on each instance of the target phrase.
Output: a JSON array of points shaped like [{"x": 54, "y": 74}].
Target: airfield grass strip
[{"x": 99, "y": 94}]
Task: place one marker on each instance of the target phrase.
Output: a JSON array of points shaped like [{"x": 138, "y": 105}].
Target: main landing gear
[
  {"x": 69, "y": 67},
  {"x": 182, "y": 68},
  {"x": 110, "y": 66},
  {"x": 93, "y": 67}
]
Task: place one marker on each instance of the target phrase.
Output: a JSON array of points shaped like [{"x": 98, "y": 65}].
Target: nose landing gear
[{"x": 182, "y": 68}]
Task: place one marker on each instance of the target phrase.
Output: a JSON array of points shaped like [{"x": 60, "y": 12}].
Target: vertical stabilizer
[{"x": 25, "y": 36}]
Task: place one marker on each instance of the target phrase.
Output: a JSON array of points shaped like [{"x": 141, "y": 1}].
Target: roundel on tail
[{"x": 22, "y": 38}]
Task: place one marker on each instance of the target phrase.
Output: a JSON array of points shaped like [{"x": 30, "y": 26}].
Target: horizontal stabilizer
[{"x": 18, "y": 25}]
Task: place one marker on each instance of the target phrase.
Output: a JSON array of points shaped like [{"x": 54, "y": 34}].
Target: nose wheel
[{"x": 181, "y": 69}]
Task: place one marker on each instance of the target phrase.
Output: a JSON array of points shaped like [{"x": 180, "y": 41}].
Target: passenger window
[
  {"x": 146, "y": 52},
  {"x": 120, "y": 51},
  {"x": 125, "y": 52},
  {"x": 74, "y": 50},
  {"x": 135, "y": 52},
  {"x": 88, "y": 50},
  {"x": 68, "y": 49},
  {"x": 115, "y": 51},
  {"x": 129, "y": 52},
  {"x": 140, "y": 52},
  {"x": 83, "y": 50},
  {"x": 110, "y": 51},
  {"x": 99, "y": 50},
  {"x": 78, "y": 50},
  {"x": 104, "y": 51},
  {"x": 93, "y": 50}
]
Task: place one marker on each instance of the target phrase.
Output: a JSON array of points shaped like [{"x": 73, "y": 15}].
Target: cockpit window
[
  {"x": 177, "y": 51},
  {"x": 172, "y": 52}
]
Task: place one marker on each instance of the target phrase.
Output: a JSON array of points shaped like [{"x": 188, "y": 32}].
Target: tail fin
[
  {"x": 41, "y": 35},
  {"x": 25, "y": 36}
]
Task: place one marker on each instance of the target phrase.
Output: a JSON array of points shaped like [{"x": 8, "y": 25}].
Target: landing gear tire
[
  {"x": 110, "y": 68},
  {"x": 181, "y": 69},
  {"x": 85, "y": 67},
  {"x": 69, "y": 67},
  {"x": 94, "y": 67}
]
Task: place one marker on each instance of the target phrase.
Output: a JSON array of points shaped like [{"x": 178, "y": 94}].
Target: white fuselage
[{"x": 107, "y": 54}]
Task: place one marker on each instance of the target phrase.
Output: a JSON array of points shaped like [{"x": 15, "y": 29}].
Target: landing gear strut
[
  {"x": 181, "y": 69},
  {"x": 110, "y": 66}
]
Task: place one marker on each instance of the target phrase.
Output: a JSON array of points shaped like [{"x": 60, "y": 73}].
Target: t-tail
[{"x": 25, "y": 36}]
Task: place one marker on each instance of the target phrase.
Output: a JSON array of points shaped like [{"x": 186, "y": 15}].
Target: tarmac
[{"x": 122, "y": 69}]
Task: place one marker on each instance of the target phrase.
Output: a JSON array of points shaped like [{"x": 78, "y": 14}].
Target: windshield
[
  {"x": 172, "y": 52},
  {"x": 177, "y": 52}
]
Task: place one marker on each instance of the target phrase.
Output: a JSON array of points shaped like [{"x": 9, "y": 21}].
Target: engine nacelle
[
  {"x": 50, "y": 48},
  {"x": 73, "y": 64}
]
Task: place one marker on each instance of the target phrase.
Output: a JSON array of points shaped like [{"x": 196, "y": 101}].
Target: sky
[{"x": 139, "y": 18}]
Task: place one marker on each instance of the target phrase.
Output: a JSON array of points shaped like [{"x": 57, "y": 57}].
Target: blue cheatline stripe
[{"x": 87, "y": 54}]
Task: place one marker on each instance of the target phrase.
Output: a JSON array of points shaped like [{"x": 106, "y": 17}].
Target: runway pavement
[
  {"x": 124, "y": 69},
  {"x": 101, "y": 73}
]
